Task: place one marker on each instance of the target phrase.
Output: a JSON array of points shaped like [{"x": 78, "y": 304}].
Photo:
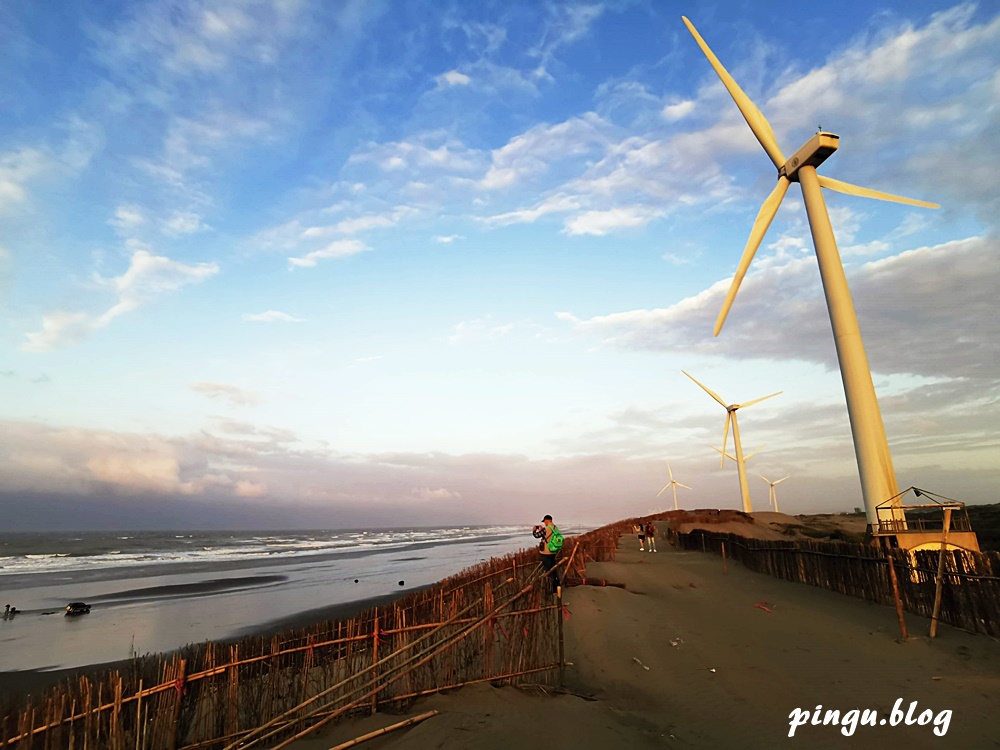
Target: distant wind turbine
[
  {"x": 674, "y": 484},
  {"x": 731, "y": 457},
  {"x": 878, "y": 479},
  {"x": 773, "y": 496},
  {"x": 740, "y": 458}
]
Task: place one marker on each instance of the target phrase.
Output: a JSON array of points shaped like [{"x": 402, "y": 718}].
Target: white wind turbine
[
  {"x": 730, "y": 456},
  {"x": 673, "y": 483},
  {"x": 773, "y": 496},
  {"x": 878, "y": 479},
  {"x": 740, "y": 458}
]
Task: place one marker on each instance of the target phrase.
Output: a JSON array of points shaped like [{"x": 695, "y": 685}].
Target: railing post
[{"x": 939, "y": 581}]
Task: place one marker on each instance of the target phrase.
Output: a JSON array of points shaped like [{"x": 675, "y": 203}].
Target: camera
[{"x": 538, "y": 531}]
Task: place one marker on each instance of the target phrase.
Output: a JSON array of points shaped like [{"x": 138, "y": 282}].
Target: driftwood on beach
[{"x": 494, "y": 622}]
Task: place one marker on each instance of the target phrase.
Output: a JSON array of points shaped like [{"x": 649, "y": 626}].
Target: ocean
[{"x": 154, "y": 591}]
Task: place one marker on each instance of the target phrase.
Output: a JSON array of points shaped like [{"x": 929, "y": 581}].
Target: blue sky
[{"x": 389, "y": 263}]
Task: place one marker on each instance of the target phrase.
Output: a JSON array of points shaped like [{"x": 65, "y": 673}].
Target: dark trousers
[{"x": 548, "y": 565}]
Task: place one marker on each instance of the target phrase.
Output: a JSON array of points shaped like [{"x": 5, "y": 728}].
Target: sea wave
[{"x": 27, "y": 554}]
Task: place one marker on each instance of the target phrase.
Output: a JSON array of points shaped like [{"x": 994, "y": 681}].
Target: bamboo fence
[
  {"x": 970, "y": 592},
  {"x": 493, "y": 622}
]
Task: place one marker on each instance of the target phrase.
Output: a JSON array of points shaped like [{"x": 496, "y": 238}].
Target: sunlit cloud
[{"x": 231, "y": 393}]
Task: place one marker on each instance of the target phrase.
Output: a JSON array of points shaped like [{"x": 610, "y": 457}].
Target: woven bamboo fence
[
  {"x": 970, "y": 594},
  {"x": 493, "y": 622}
]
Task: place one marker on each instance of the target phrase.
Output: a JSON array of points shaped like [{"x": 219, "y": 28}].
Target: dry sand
[{"x": 722, "y": 671}]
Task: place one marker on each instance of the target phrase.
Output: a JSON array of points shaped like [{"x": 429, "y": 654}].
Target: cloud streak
[{"x": 148, "y": 277}]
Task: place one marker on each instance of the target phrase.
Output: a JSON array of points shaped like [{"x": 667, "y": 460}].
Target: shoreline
[{"x": 18, "y": 685}]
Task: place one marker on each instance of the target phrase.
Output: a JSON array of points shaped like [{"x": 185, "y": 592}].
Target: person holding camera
[{"x": 548, "y": 548}]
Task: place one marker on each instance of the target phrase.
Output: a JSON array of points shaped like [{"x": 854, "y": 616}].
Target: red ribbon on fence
[
  {"x": 565, "y": 612},
  {"x": 179, "y": 686},
  {"x": 763, "y": 606}
]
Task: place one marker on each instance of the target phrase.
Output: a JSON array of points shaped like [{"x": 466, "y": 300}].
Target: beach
[
  {"x": 687, "y": 655},
  {"x": 155, "y": 592}
]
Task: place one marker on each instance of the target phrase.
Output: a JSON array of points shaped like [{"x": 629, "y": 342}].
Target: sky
[{"x": 371, "y": 263}]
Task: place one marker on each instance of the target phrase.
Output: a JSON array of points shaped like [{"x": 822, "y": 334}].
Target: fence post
[
  {"x": 562, "y": 648},
  {"x": 180, "y": 674},
  {"x": 375, "y": 661},
  {"x": 725, "y": 565},
  {"x": 895, "y": 595},
  {"x": 939, "y": 581}
]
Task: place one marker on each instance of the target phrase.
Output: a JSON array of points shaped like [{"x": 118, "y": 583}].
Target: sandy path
[{"x": 814, "y": 647}]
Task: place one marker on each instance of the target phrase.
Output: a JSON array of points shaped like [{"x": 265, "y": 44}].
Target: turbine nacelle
[{"x": 815, "y": 151}]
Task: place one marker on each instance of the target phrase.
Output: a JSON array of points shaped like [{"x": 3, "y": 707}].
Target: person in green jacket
[{"x": 548, "y": 548}]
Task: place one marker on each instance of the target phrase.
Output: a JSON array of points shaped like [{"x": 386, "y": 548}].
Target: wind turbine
[
  {"x": 673, "y": 483},
  {"x": 731, "y": 457},
  {"x": 878, "y": 479},
  {"x": 740, "y": 458},
  {"x": 773, "y": 496}
]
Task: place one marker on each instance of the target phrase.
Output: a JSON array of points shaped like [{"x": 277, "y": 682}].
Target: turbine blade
[
  {"x": 670, "y": 473},
  {"x": 845, "y": 187},
  {"x": 764, "y": 478},
  {"x": 783, "y": 479},
  {"x": 684, "y": 486},
  {"x": 663, "y": 490},
  {"x": 755, "y": 119},
  {"x": 730, "y": 456},
  {"x": 758, "y": 400},
  {"x": 707, "y": 390},
  {"x": 725, "y": 436},
  {"x": 764, "y": 218}
]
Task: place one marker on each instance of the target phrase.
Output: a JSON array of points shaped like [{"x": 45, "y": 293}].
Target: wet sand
[
  {"x": 15, "y": 685},
  {"x": 687, "y": 656}
]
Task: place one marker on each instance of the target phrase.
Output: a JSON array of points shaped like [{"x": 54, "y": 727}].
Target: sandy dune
[{"x": 686, "y": 656}]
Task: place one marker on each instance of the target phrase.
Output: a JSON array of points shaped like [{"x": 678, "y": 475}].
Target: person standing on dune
[{"x": 548, "y": 548}]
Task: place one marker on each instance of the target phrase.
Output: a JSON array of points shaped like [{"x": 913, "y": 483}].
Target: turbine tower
[
  {"x": 673, "y": 483},
  {"x": 878, "y": 479},
  {"x": 740, "y": 458},
  {"x": 773, "y": 496}
]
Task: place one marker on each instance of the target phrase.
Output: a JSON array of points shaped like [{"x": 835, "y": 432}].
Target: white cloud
[
  {"x": 678, "y": 110},
  {"x": 231, "y": 393},
  {"x": 336, "y": 249},
  {"x": 533, "y": 153},
  {"x": 271, "y": 316},
  {"x": 434, "y": 152},
  {"x": 127, "y": 219},
  {"x": 553, "y": 204},
  {"x": 17, "y": 168},
  {"x": 600, "y": 223},
  {"x": 147, "y": 277},
  {"x": 183, "y": 222},
  {"x": 447, "y": 239},
  {"x": 453, "y": 78},
  {"x": 479, "y": 329}
]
